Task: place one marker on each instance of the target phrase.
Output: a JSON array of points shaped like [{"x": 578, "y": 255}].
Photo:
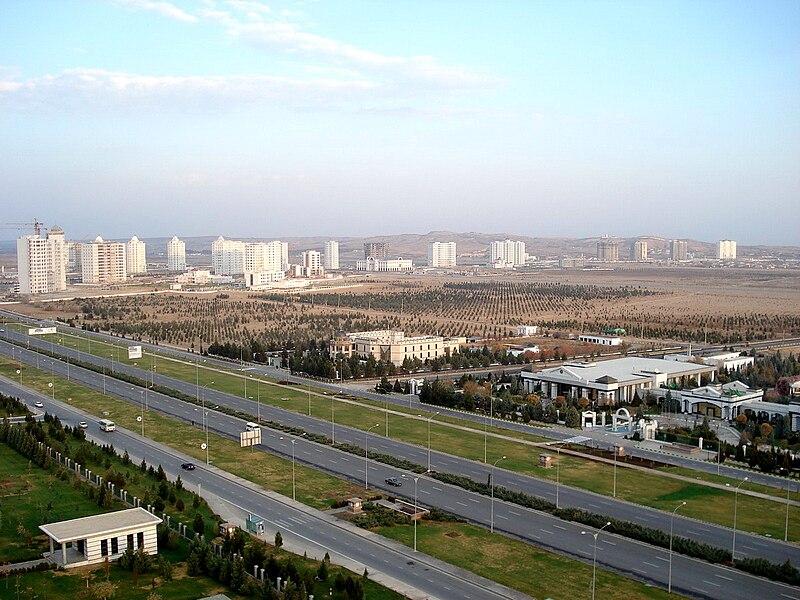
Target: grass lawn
[
  {"x": 515, "y": 564},
  {"x": 31, "y": 496},
  {"x": 645, "y": 488}
]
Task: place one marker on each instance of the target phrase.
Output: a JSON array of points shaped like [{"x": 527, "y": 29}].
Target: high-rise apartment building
[
  {"x": 639, "y": 250},
  {"x": 266, "y": 256},
  {"x": 311, "y": 263},
  {"x": 678, "y": 250},
  {"x": 376, "y": 250},
  {"x": 508, "y": 253},
  {"x": 176, "y": 254},
  {"x": 331, "y": 256},
  {"x": 607, "y": 250},
  {"x": 726, "y": 249},
  {"x": 135, "y": 257},
  {"x": 73, "y": 250},
  {"x": 103, "y": 262},
  {"x": 227, "y": 256},
  {"x": 442, "y": 254},
  {"x": 41, "y": 262}
]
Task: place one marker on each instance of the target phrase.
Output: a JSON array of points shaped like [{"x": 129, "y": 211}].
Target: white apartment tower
[
  {"x": 265, "y": 256},
  {"x": 678, "y": 250},
  {"x": 103, "y": 262},
  {"x": 227, "y": 256},
  {"x": 508, "y": 253},
  {"x": 331, "y": 257},
  {"x": 726, "y": 249},
  {"x": 311, "y": 263},
  {"x": 442, "y": 254},
  {"x": 42, "y": 262},
  {"x": 135, "y": 259},
  {"x": 176, "y": 254},
  {"x": 639, "y": 251}
]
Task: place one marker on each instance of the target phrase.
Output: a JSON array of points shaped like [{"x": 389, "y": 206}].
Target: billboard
[
  {"x": 250, "y": 438},
  {"x": 41, "y": 330},
  {"x": 134, "y": 352}
]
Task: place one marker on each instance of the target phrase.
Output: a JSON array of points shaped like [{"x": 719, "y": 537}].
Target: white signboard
[
  {"x": 250, "y": 438},
  {"x": 134, "y": 352},
  {"x": 41, "y": 330}
]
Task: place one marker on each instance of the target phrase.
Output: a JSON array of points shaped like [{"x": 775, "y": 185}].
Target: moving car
[
  {"x": 394, "y": 481},
  {"x": 38, "y": 404},
  {"x": 83, "y": 425},
  {"x": 188, "y": 466}
]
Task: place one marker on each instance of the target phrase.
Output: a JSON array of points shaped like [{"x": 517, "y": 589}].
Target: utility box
[{"x": 546, "y": 461}]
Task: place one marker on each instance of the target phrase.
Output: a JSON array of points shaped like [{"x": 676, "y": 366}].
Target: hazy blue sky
[{"x": 340, "y": 118}]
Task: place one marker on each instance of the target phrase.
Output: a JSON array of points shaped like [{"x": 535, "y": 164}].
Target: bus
[{"x": 107, "y": 425}]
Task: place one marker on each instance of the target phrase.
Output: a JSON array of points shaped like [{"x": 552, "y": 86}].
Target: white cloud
[{"x": 166, "y": 9}]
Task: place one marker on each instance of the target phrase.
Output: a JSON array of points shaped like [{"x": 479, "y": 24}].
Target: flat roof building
[
  {"x": 90, "y": 540},
  {"x": 176, "y": 254},
  {"x": 385, "y": 265},
  {"x": 42, "y": 262},
  {"x": 376, "y": 250},
  {"x": 442, "y": 254},
  {"x": 613, "y": 381},
  {"x": 607, "y": 250},
  {"x": 331, "y": 256},
  {"x": 103, "y": 262},
  {"x": 392, "y": 346}
]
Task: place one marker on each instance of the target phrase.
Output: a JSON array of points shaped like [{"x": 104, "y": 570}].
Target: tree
[
  {"x": 766, "y": 430},
  {"x": 199, "y": 525},
  {"x": 278, "y": 539},
  {"x": 572, "y": 419}
]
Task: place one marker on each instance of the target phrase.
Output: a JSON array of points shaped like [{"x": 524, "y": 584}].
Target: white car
[
  {"x": 83, "y": 425},
  {"x": 38, "y": 404}
]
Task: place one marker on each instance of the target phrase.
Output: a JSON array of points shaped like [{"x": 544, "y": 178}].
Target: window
[
  {"x": 104, "y": 547},
  {"x": 114, "y": 545},
  {"x": 130, "y": 541},
  {"x": 140, "y": 539}
]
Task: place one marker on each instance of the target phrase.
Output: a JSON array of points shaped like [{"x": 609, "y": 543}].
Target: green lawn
[{"x": 517, "y": 565}]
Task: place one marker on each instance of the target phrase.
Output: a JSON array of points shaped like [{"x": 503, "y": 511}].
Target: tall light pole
[
  {"x": 671, "y": 519},
  {"x": 786, "y": 529},
  {"x": 258, "y": 400},
  {"x": 205, "y": 417},
  {"x": 735, "y": 506},
  {"x": 594, "y": 555},
  {"x": 429, "y": 438},
  {"x": 491, "y": 520},
  {"x": 386, "y": 410},
  {"x": 366, "y": 455},
  {"x": 416, "y": 510},
  {"x": 333, "y": 421},
  {"x": 309, "y": 398},
  {"x": 614, "y": 490},
  {"x": 294, "y": 487}
]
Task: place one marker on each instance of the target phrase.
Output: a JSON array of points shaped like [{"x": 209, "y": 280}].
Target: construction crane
[{"x": 37, "y": 226}]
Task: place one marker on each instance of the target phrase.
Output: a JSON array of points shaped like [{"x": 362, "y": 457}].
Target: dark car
[
  {"x": 188, "y": 466},
  {"x": 394, "y": 481}
]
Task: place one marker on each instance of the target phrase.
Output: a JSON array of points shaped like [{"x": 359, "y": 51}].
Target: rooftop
[
  {"x": 625, "y": 369},
  {"x": 106, "y": 523}
]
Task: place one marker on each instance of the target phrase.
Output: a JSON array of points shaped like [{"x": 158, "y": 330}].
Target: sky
[{"x": 347, "y": 118}]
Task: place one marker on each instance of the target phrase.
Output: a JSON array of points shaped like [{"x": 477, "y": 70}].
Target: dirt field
[{"x": 651, "y": 303}]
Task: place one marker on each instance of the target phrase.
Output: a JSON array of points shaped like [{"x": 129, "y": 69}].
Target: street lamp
[
  {"x": 53, "y": 389},
  {"x": 735, "y": 506},
  {"x": 366, "y": 455},
  {"x": 594, "y": 555},
  {"x": 205, "y": 418},
  {"x": 614, "y": 491},
  {"x": 786, "y": 530},
  {"x": 294, "y": 488},
  {"x": 416, "y": 510},
  {"x": 485, "y": 431},
  {"x": 671, "y": 519},
  {"x": 309, "y": 398},
  {"x": 333, "y": 420},
  {"x": 491, "y": 520},
  {"x": 429, "y": 438}
]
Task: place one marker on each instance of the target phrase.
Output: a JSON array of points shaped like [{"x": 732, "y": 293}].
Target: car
[
  {"x": 188, "y": 466},
  {"x": 83, "y": 425},
  {"x": 38, "y": 404},
  {"x": 394, "y": 481}
]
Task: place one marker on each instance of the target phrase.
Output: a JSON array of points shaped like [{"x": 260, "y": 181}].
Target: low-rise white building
[
  {"x": 524, "y": 330},
  {"x": 90, "y": 540},
  {"x": 384, "y": 265},
  {"x": 263, "y": 279},
  {"x": 721, "y": 401},
  {"x": 729, "y": 361},
  {"x": 393, "y": 346},
  {"x": 600, "y": 340}
]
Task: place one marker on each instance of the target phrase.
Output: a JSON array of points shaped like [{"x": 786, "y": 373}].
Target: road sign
[{"x": 250, "y": 438}]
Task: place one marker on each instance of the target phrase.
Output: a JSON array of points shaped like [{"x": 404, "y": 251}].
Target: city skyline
[{"x": 288, "y": 119}]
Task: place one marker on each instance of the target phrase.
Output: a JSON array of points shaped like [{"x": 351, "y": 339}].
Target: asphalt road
[{"x": 637, "y": 560}]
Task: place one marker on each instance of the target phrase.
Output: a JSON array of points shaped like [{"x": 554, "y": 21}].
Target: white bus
[
  {"x": 252, "y": 426},
  {"x": 107, "y": 425}
]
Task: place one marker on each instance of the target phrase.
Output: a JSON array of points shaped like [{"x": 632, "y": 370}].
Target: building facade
[
  {"x": 726, "y": 250},
  {"x": 385, "y": 265},
  {"x": 331, "y": 256},
  {"x": 227, "y": 256},
  {"x": 639, "y": 251},
  {"x": 678, "y": 250},
  {"x": 392, "y": 346},
  {"x": 135, "y": 256},
  {"x": 507, "y": 253},
  {"x": 442, "y": 254},
  {"x": 42, "y": 262},
  {"x": 103, "y": 262},
  {"x": 376, "y": 250},
  {"x": 311, "y": 264},
  {"x": 607, "y": 250},
  {"x": 176, "y": 254},
  {"x": 266, "y": 256},
  {"x": 600, "y": 340}
]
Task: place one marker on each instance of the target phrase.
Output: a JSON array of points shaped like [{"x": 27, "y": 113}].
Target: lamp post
[
  {"x": 735, "y": 506},
  {"x": 366, "y": 455},
  {"x": 294, "y": 487},
  {"x": 416, "y": 510},
  {"x": 594, "y": 555},
  {"x": 205, "y": 418},
  {"x": 491, "y": 520},
  {"x": 429, "y": 438},
  {"x": 333, "y": 421},
  {"x": 52, "y": 389},
  {"x": 614, "y": 491},
  {"x": 309, "y": 398},
  {"x": 671, "y": 519},
  {"x": 786, "y": 529},
  {"x": 258, "y": 400}
]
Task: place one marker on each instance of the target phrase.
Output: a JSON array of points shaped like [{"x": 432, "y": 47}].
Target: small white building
[
  {"x": 720, "y": 401},
  {"x": 89, "y": 540},
  {"x": 600, "y": 340},
  {"x": 525, "y": 330}
]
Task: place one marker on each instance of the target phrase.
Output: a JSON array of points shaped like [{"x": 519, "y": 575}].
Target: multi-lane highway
[{"x": 638, "y": 560}]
